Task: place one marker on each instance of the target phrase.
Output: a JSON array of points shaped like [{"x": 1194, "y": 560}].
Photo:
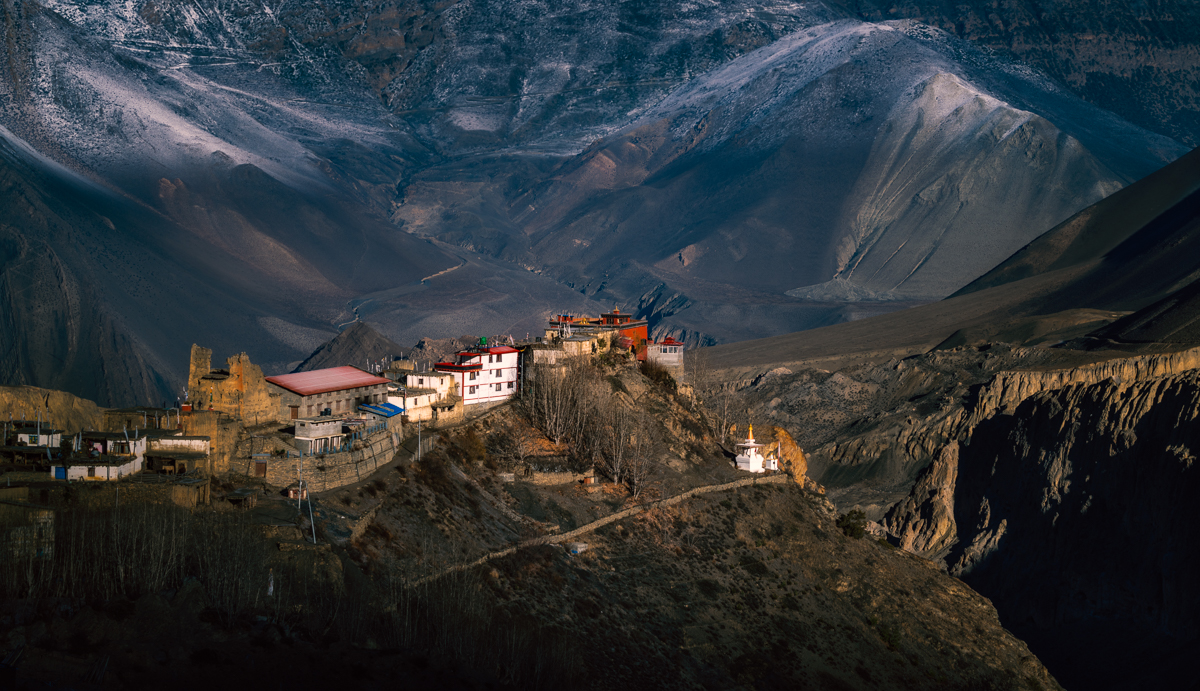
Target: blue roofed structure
[{"x": 382, "y": 410}]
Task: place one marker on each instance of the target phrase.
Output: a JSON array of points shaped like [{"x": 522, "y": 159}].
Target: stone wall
[
  {"x": 223, "y": 432},
  {"x": 333, "y": 470}
]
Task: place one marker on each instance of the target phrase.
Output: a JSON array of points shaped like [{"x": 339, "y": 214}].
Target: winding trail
[
  {"x": 444, "y": 271},
  {"x": 778, "y": 479}
]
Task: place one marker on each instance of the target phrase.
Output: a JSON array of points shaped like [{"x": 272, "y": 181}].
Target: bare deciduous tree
[
  {"x": 697, "y": 366},
  {"x": 644, "y": 450},
  {"x": 613, "y": 439},
  {"x": 517, "y": 442}
]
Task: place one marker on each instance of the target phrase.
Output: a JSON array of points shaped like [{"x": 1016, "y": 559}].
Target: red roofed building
[
  {"x": 627, "y": 332},
  {"x": 337, "y": 389},
  {"x": 484, "y": 374},
  {"x": 667, "y": 353}
]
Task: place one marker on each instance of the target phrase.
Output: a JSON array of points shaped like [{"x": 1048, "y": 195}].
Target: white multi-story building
[
  {"x": 441, "y": 383},
  {"x": 484, "y": 374}
]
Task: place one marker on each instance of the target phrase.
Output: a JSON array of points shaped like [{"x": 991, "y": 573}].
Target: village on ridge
[{"x": 313, "y": 430}]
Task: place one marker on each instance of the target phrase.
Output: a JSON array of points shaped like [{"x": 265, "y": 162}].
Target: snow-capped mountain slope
[
  {"x": 890, "y": 157},
  {"x": 728, "y": 169}
]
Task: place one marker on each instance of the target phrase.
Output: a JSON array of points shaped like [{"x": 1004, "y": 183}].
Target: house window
[
  {"x": 91, "y": 471},
  {"x": 510, "y": 385},
  {"x": 497, "y": 387},
  {"x": 33, "y": 440},
  {"x": 472, "y": 389},
  {"x": 420, "y": 381},
  {"x": 472, "y": 377},
  {"x": 309, "y": 412},
  {"x": 495, "y": 373}
]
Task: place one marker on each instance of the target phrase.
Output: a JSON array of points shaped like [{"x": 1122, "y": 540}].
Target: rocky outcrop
[
  {"x": 924, "y": 521},
  {"x": 1056, "y": 493},
  {"x": 56, "y": 408},
  {"x": 791, "y": 455},
  {"x": 1009, "y": 389},
  {"x": 905, "y": 455},
  {"x": 1081, "y": 486},
  {"x": 1072, "y": 518},
  {"x": 239, "y": 390}
]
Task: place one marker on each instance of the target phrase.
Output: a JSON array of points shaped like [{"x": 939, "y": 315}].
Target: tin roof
[
  {"x": 384, "y": 409},
  {"x": 326, "y": 380}
]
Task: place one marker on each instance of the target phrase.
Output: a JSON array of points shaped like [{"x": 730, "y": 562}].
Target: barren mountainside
[
  {"x": 1136, "y": 59},
  {"x": 733, "y": 170}
]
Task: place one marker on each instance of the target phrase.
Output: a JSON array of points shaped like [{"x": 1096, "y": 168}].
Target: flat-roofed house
[
  {"x": 321, "y": 434},
  {"x": 178, "y": 454},
  {"x": 441, "y": 383},
  {"x": 484, "y": 374},
  {"x": 40, "y": 435},
  {"x": 383, "y": 412},
  {"x": 95, "y": 467},
  {"x": 124, "y": 443},
  {"x": 337, "y": 390}
]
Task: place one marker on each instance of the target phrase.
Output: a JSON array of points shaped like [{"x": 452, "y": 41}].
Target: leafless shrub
[
  {"x": 515, "y": 443},
  {"x": 560, "y": 400},
  {"x": 723, "y": 406}
]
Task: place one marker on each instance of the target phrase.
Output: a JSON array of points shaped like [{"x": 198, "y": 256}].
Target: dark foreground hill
[{"x": 442, "y": 572}]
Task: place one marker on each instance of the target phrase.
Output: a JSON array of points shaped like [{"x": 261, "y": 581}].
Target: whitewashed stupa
[{"x": 750, "y": 457}]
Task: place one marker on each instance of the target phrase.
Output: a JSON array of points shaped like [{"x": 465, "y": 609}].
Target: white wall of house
[
  {"x": 168, "y": 444},
  {"x": 441, "y": 382},
  {"x": 669, "y": 356},
  {"x": 495, "y": 381},
  {"x": 33, "y": 439},
  {"x": 316, "y": 429},
  {"x": 111, "y": 471}
]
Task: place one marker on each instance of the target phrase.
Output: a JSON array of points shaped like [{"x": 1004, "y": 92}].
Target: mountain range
[{"x": 256, "y": 177}]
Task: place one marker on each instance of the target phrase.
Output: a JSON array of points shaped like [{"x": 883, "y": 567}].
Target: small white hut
[{"x": 750, "y": 456}]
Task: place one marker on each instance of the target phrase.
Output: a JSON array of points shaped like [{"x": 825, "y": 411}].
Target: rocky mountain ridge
[
  {"x": 248, "y": 165},
  {"x": 1005, "y": 472},
  {"x": 1136, "y": 59}
]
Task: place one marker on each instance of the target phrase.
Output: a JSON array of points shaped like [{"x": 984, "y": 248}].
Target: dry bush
[
  {"x": 659, "y": 375},
  {"x": 433, "y": 471}
]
